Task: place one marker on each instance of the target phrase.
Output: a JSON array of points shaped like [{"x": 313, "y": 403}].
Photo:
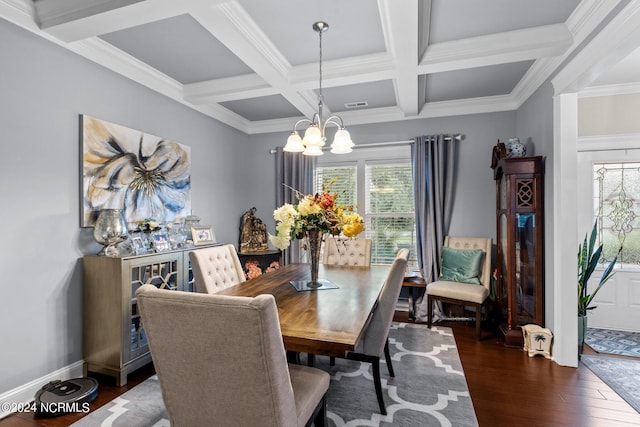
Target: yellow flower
[{"x": 353, "y": 226}]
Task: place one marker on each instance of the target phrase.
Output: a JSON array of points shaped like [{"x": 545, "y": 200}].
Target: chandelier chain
[{"x": 320, "y": 96}]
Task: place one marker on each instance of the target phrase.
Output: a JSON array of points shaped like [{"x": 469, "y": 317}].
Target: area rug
[
  {"x": 622, "y": 375},
  {"x": 429, "y": 388},
  {"x": 613, "y": 342}
]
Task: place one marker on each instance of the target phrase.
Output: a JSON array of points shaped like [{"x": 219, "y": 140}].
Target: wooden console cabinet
[
  {"x": 520, "y": 244},
  {"x": 114, "y": 341}
]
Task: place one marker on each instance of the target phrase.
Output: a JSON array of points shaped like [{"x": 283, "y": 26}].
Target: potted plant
[{"x": 588, "y": 259}]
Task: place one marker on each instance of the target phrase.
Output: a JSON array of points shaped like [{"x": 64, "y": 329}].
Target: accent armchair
[
  {"x": 220, "y": 360},
  {"x": 465, "y": 276}
]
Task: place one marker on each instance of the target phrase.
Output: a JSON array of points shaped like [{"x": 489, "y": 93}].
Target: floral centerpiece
[{"x": 313, "y": 216}]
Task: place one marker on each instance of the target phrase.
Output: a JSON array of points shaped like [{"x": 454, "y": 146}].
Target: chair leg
[
  {"x": 319, "y": 417},
  {"x": 429, "y": 310},
  {"x": 332, "y": 361},
  {"x": 378, "y": 383},
  {"x": 478, "y": 321},
  {"x": 387, "y": 357},
  {"x": 311, "y": 360}
]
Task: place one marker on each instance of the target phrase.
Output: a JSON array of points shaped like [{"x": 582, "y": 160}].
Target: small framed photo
[
  {"x": 138, "y": 244},
  {"x": 161, "y": 242},
  {"x": 202, "y": 235}
]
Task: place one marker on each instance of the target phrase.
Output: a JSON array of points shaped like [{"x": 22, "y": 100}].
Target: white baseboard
[{"x": 26, "y": 392}]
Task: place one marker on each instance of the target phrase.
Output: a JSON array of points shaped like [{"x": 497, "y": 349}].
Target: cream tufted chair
[
  {"x": 216, "y": 268},
  {"x": 353, "y": 252},
  {"x": 237, "y": 372},
  {"x": 466, "y": 294}
]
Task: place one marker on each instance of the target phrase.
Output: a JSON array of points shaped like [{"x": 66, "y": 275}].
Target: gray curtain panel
[
  {"x": 293, "y": 170},
  {"x": 434, "y": 172}
]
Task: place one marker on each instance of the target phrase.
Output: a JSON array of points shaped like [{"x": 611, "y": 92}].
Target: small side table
[
  {"x": 263, "y": 259},
  {"x": 413, "y": 282}
]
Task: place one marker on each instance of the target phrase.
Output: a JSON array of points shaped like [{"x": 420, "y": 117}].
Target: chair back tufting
[
  {"x": 352, "y": 252},
  {"x": 475, "y": 243},
  {"x": 216, "y": 268}
]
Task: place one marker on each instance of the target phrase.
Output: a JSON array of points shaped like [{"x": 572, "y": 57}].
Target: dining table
[{"x": 328, "y": 321}]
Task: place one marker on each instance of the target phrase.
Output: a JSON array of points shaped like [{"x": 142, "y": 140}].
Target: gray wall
[
  {"x": 534, "y": 124},
  {"x": 474, "y": 206},
  {"x": 43, "y": 90}
]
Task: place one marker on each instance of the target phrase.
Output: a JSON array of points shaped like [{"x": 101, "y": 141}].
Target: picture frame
[
  {"x": 161, "y": 242},
  {"x": 202, "y": 235},
  {"x": 137, "y": 243}
]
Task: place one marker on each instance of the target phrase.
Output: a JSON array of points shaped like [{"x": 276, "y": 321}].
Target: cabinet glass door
[
  {"x": 525, "y": 268},
  {"x": 504, "y": 290}
]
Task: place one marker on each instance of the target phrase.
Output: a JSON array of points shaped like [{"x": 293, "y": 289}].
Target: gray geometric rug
[
  {"x": 622, "y": 375},
  {"x": 429, "y": 388},
  {"x": 613, "y": 342}
]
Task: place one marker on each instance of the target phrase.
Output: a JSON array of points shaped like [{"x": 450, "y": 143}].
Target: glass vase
[
  {"x": 109, "y": 229},
  {"x": 314, "y": 244}
]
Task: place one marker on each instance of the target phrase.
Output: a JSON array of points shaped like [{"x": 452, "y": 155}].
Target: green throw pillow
[{"x": 461, "y": 265}]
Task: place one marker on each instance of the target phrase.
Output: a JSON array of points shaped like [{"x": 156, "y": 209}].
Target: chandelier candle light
[{"x": 314, "y": 136}]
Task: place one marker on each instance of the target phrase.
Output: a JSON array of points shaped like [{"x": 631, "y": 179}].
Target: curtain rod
[{"x": 385, "y": 144}]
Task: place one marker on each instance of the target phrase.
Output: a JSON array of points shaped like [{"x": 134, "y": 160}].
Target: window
[
  {"x": 616, "y": 193},
  {"x": 389, "y": 212},
  {"x": 344, "y": 182},
  {"x": 383, "y": 192}
]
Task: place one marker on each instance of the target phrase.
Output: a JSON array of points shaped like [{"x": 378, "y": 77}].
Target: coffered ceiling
[{"x": 253, "y": 64}]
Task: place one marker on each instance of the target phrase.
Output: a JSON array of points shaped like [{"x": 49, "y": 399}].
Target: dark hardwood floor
[{"x": 507, "y": 387}]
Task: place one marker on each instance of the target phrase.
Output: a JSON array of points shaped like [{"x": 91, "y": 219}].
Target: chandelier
[{"x": 314, "y": 137}]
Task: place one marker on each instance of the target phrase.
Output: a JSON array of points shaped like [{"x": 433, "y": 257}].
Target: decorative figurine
[{"x": 253, "y": 233}]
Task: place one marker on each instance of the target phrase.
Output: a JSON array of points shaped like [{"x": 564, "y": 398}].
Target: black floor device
[{"x": 63, "y": 397}]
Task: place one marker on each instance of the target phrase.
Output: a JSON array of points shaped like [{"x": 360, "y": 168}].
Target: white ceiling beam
[
  {"x": 619, "y": 38},
  {"x": 339, "y": 72},
  {"x": 81, "y": 21},
  {"x": 583, "y": 21},
  {"x": 400, "y": 25},
  {"x": 227, "y": 89},
  {"x": 500, "y": 48},
  {"x": 234, "y": 28}
]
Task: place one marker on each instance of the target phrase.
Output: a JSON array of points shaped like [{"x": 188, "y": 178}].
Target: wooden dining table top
[{"x": 326, "y": 321}]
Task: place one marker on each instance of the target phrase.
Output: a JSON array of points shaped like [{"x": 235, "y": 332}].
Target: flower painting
[{"x": 146, "y": 176}]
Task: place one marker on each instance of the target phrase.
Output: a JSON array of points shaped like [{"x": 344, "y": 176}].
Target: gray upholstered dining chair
[
  {"x": 216, "y": 268},
  {"x": 465, "y": 276},
  {"x": 220, "y": 360},
  {"x": 352, "y": 252},
  {"x": 374, "y": 342}
]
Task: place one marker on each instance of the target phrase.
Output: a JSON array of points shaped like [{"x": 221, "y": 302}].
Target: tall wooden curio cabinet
[{"x": 520, "y": 246}]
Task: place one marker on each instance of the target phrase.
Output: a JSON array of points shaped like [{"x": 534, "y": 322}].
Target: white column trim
[{"x": 565, "y": 211}]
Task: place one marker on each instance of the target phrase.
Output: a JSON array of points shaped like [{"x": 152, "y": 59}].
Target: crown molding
[
  {"x": 609, "y": 142},
  {"x": 490, "y": 104},
  {"x": 610, "y": 90}
]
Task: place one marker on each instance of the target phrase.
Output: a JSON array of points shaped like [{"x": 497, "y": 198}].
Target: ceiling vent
[{"x": 358, "y": 104}]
